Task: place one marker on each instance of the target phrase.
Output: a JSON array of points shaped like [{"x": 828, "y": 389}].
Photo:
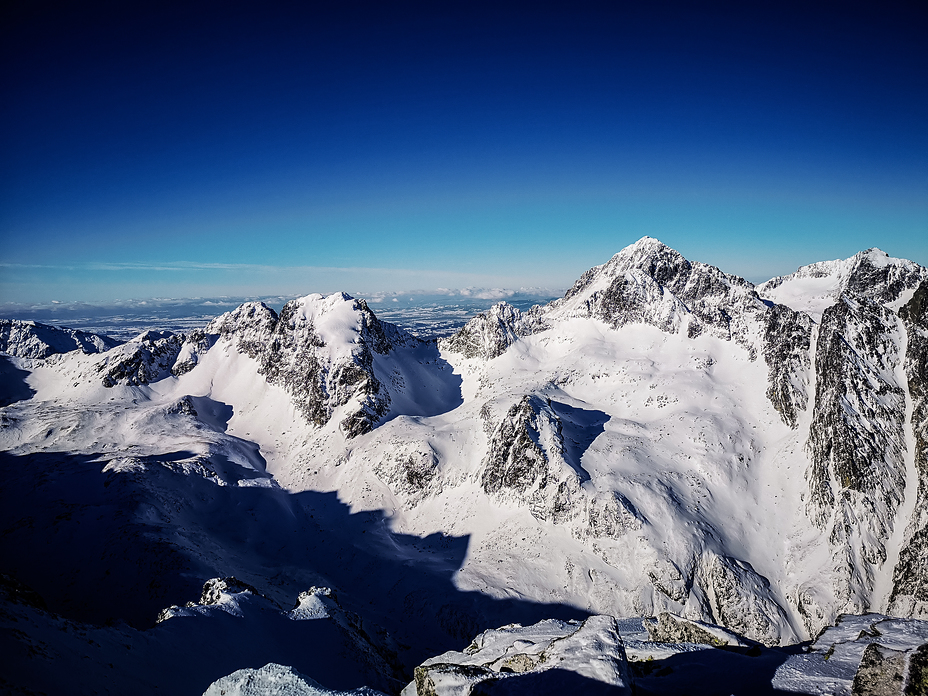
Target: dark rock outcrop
[
  {"x": 145, "y": 359},
  {"x": 668, "y": 628},
  {"x": 881, "y": 672},
  {"x": 525, "y": 462},
  {"x": 787, "y": 336},
  {"x": 489, "y": 334}
]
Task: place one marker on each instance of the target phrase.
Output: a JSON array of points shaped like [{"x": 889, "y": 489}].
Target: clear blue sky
[{"x": 194, "y": 149}]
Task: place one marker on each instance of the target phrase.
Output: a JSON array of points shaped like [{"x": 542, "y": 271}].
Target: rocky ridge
[
  {"x": 29, "y": 339},
  {"x": 650, "y": 283},
  {"x": 910, "y": 576},
  {"x": 863, "y": 352}
]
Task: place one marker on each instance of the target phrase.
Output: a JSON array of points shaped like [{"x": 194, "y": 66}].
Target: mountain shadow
[
  {"x": 107, "y": 546},
  {"x": 579, "y": 428},
  {"x": 13, "y": 385}
]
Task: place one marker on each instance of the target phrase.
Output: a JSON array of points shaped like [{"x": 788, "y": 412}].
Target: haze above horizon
[{"x": 201, "y": 149}]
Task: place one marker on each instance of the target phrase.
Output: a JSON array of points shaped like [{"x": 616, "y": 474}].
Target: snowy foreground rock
[
  {"x": 577, "y": 657},
  {"x": 666, "y": 440},
  {"x": 863, "y": 655}
]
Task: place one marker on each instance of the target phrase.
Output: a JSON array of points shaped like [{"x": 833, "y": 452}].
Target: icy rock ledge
[
  {"x": 276, "y": 680},
  {"x": 868, "y": 655}
]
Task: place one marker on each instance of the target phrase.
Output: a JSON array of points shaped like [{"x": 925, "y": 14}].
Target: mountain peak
[{"x": 871, "y": 273}]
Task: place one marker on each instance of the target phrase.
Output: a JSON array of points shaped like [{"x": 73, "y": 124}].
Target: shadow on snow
[
  {"x": 111, "y": 546},
  {"x": 13, "y": 385}
]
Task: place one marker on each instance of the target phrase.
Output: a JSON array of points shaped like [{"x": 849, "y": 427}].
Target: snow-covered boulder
[
  {"x": 863, "y": 654},
  {"x": 546, "y": 658}
]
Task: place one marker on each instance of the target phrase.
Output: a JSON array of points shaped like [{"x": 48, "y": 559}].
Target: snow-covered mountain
[
  {"x": 28, "y": 339},
  {"x": 664, "y": 438}
]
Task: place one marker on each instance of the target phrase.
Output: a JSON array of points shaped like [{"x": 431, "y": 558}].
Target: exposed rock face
[
  {"x": 528, "y": 465},
  {"x": 881, "y": 672},
  {"x": 28, "y": 339},
  {"x": 910, "y": 577},
  {"x": 875, "y": 277},
  {"x": 548, "y": 657},
  {"x": 857, "y": 440},
  {"x": 871, "y": 273},
  {"x": 668, "y": 628},
  {"x": 526, "y": 462},
  {"x": 147, "y": 358},
  {"x": 917, "y": 678},
  {"x": 196, "y": 344},
  {"x": 787, "y": 336},
  {"x": 736, "y": 596},
  {"x": 490, "y": 333},
  {"x": 410, "y": 472},
  {"x": 651, "y": 283}
]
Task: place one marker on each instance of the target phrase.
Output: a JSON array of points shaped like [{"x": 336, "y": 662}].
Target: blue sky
[{"x": 200, "y": 149}]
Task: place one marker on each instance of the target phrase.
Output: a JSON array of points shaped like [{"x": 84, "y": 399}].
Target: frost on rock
[
  {"x": 29, "y": 339},
  {"x": 548, "y": 657},
  {"x": 910, "y": 576},
  {"x": 147, "y": 358},
  {"x": 276, "y": 680},
  {"x": 856, "y": 443}
]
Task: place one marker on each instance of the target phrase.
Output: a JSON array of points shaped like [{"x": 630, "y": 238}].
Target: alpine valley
[{"x": 323, "y": 490}]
